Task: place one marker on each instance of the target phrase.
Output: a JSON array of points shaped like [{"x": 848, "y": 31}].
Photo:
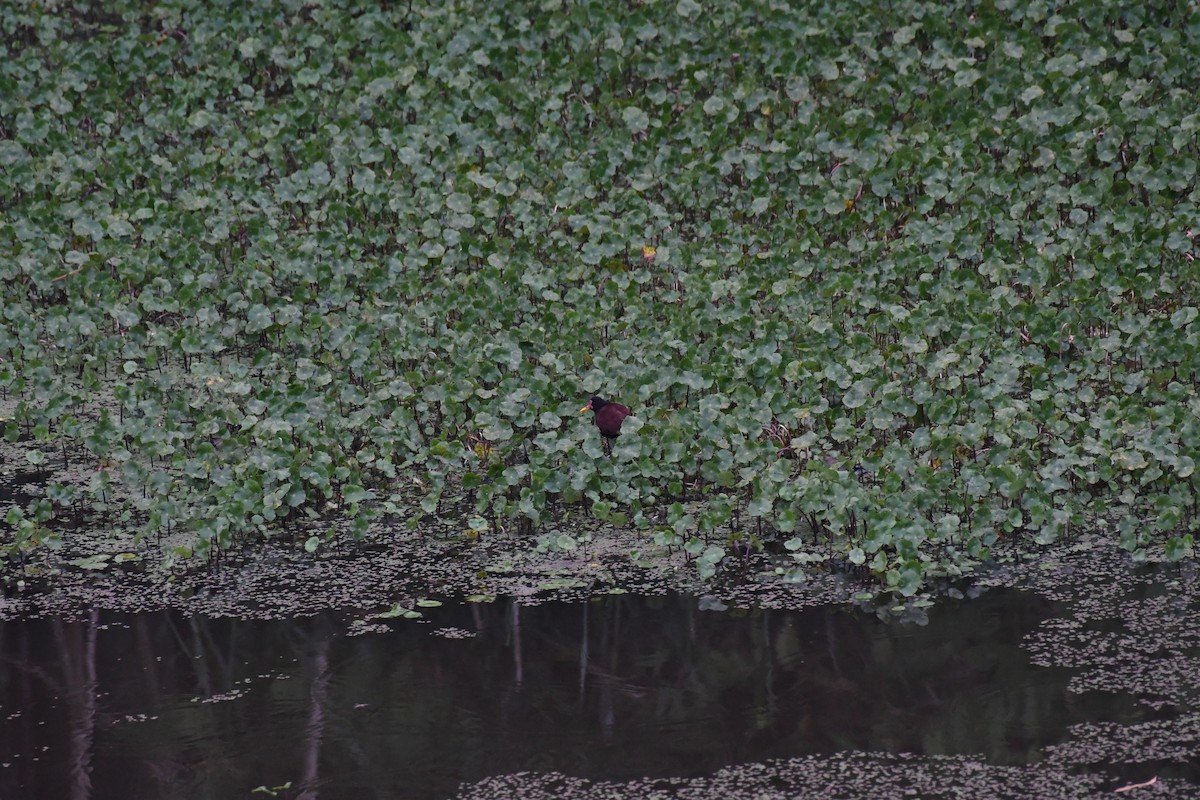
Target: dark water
[{"x": 161, "y": 705}]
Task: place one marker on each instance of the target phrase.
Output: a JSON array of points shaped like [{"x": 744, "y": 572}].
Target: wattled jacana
[{"x": 609, "y": 417}]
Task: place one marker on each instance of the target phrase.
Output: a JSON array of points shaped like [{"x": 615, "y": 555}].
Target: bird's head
[{"x": 595, "y": 404}]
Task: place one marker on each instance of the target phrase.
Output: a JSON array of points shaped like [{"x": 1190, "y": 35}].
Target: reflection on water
[{"x": 162, "y": 705}]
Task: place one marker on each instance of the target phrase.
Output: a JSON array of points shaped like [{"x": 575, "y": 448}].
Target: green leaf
[
  {"x": 635, "y": 119},
  {"x": 557, "y": 584},
  {"x": 93, "y": 562},
  {"x": 398, "y": 611},
  {"x": 1178, "y": 547},
  {"x": 1183, "y": 316}
]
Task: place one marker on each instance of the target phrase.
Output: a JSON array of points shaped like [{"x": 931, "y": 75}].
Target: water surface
[{"x": 165, "y": 705}]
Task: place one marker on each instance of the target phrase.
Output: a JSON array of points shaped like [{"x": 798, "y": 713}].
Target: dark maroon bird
[{"x": 609, "y": 416}]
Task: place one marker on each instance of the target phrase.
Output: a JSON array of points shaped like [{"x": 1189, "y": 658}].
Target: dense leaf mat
[{"x": 890, "y": 281}]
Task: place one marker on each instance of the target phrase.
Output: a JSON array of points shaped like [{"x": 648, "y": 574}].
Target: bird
[{"x": 609, "y": 417}]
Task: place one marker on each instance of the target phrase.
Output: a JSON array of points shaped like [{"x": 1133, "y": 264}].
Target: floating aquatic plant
[{"x": 891, "y": 294}]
